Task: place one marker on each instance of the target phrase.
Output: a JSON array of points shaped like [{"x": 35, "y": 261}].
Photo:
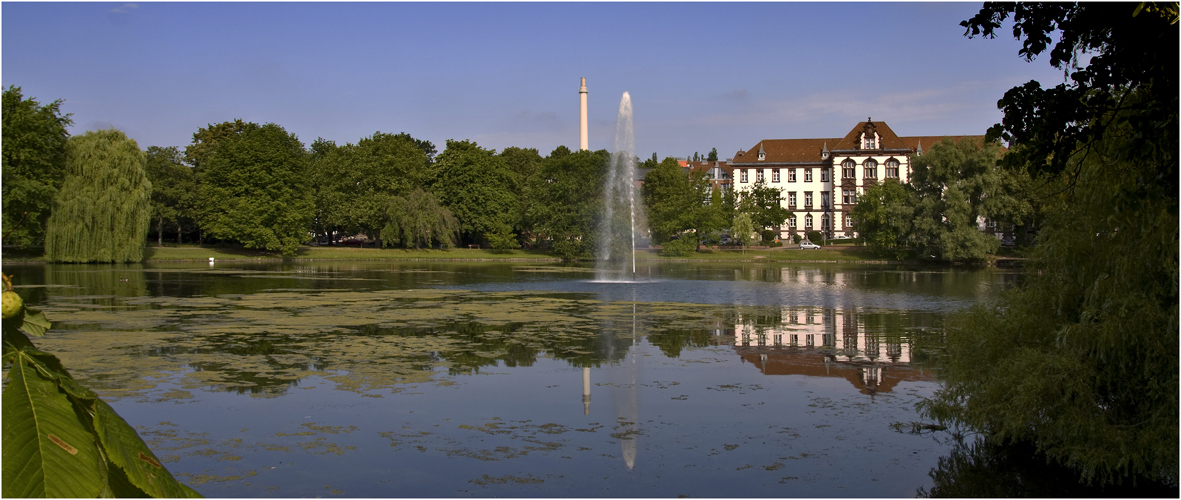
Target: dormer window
[
  {"x": 870, "y": 141},
  {"x": 762, "y": 155}
]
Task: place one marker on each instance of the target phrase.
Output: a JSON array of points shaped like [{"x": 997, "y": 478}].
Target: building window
[
  {"x": 742, "y": 175},
  {"x": 791, "y": 222},
  {"x": 791, "y": 199},
  {"x": 891, "y": 169},
  {"x": 759, "y": 175},
  {"x": 870, "y": 142},
  {"x": 808, "y": 221},
  {"x": 807, "y": 175},
  {"x": 825, "y": 200},
  {"x": 849, "y": 169},
  {"x": 824, "y": 175},
  {"x": 848, "y": 221},
  {"x": 824, "y": 222},
  {"x": 791, "y": 175},
  {"x": 775, "y": 175},
  {"x": 808, "y": 199},
  {"x": 871, "y": 169}
]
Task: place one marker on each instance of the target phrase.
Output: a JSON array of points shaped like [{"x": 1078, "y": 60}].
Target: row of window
[
  {"x": 848, "y": 197},
  {"x": 791, "y": 175},
  {"x": 869, "y": 169},
  {"x": 791, "y": 221},
  {"x": 825, "y": 199},
  {"x": 848, "y": 171}
]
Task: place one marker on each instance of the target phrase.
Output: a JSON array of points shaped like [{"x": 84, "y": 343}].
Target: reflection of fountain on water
[
  {"x": 623, "y": 380},
  {"x": 617, "y": 229},
  {"x": 627, "y": 408}
]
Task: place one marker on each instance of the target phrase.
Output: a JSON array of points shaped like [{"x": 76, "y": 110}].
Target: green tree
[
  {"x": 883, "y": 217},
  {"x": 1082, "y": 360},
  {"x": 713, "y": 155},
  {"x": 667, "y": 200},
  {"x": 255, "y": 189},
  {"x": 956, "y": 184},
  {"x": 569, "y": 196},
  {"x": 102, "y": 211},
  {"x": 478, "y": 187},
  {"x": 206, "y": 140},
  {"x": 354, "y": 183},
  {"x": 198, "y": 152},
  {"x": 418, "y": 220},
  {"x": 524, "y": 163},
  {"x": 174, "y": 187},
  {"x": 679, "y": 202},
  {"x": 649, "y": 163},
  {"x": 743, "y": 230},
  {"x": 34, "y": 165},
  {"x": 764, "y": 204}
]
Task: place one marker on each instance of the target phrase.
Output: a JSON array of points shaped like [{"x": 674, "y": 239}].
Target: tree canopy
[
  {"x": 355, "y": 183},
  {"x": 174, "y": 188},
  {"x": 255, "y": 189},
  {"x": 478, "y": 187},
  {"x": 677, "y": 202},
  {"x": 418, "y": 220},
  {"x": 764, "y": 204},
  {"x": 569, "y": 191},
  {"x": 884, "y": 217},
  {"x": 34, "y": 164},
  {"x": 1082, "y": 360},
  {"x": 102, "y": 211}
]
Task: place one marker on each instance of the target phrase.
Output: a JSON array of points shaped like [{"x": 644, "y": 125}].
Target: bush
[
  {"x": 680, "y": 247},
  {"x": 768, "y": 236},
  {"x": 815, "y": 237},
  {"x": 795, "y": 238}
]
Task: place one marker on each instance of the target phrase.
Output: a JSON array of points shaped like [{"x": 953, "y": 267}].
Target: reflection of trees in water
[
  {"x": 984, "y": 469},
  {"x": 103, "y": 284}
]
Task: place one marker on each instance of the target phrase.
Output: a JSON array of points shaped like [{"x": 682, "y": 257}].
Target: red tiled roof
[
  {"x": 890, "y": 140},
  {"x": 809, "y": 150}
]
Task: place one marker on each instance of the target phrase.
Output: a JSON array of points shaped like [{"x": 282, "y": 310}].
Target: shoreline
[{"x": 828, "y": 255}]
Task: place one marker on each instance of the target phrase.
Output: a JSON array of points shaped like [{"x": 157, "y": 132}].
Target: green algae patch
[
  {"x": 373, "y": 342},
  {"x": 199, "y": 479}
]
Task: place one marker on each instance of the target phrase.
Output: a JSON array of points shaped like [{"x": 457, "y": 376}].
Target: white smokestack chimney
[{"x": 583, "y": 138}]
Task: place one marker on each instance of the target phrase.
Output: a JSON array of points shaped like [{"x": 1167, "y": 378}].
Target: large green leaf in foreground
[
  {"x": 48, "y": 452},
  {"x": 60, "y": 439},
  {"x": 126, "y": 450}
]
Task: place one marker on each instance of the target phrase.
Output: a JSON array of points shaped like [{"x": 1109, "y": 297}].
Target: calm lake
[{"x": 433, "y": 379}]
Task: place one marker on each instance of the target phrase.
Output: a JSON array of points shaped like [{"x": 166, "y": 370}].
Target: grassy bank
[{"x": 199, "y": 253}]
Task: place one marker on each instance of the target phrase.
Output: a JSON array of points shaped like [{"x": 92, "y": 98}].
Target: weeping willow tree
[
  {"x": 101, "y": 213},
  {"x": 418, "y": 220}
]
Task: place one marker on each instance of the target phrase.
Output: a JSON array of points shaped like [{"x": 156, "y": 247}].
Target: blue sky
[{"x": 700, "y": 75}]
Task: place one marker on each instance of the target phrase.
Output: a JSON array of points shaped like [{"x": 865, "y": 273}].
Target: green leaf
[
  {"x": 48, "y": 451},
  {"x": 127, "y": 451},
  {"x": 51, "y": 368},
  {"x": 36, "y": 324}
]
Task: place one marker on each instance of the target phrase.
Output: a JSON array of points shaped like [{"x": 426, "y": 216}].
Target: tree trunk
[{"x": 160, "y": 232}]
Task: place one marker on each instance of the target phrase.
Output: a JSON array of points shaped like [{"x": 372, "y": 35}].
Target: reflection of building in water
[{"x": 825, "y": 343}]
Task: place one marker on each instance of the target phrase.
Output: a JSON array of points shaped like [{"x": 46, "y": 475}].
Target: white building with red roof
[{"x": 820, "y": 179}]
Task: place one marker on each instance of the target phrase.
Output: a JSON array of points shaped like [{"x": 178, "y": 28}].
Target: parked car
[
  {"x": 725, "y": 240},
  {"x": 808, "y": 245}
]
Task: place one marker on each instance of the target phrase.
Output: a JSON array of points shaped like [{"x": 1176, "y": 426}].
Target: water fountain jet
[{"x": 617, "y": 229}]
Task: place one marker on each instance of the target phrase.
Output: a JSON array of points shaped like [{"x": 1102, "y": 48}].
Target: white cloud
[{"x": 127, "y": 7}]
